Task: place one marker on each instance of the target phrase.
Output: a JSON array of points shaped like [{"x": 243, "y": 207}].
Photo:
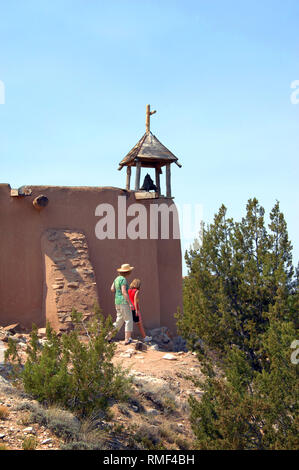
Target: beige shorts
[{"x": 124, "y": 315}]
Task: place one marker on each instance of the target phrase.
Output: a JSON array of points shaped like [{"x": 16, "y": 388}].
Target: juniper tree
[{"x": 241, "y": 301}]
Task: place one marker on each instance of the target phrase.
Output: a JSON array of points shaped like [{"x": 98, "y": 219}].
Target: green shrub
[
  {"x": 71, "y": 373},
  {"x": 29, "y": 443}
]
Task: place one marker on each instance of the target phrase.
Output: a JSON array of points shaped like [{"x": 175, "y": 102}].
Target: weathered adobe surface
[{"x": 69, "y": 277}]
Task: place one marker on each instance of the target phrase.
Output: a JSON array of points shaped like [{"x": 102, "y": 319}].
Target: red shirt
[{"x": 132, "y": 293}]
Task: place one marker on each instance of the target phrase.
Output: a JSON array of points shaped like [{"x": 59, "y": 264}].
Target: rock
[
  {"x": 126, "y": 354},
  {"x": 179, "y": 344},
  {"x": 47, "y": 441},
  {"x": 139, "y": 346},
  {"x": 3, "y": 334},
  {"x": 66, "y": 328},
  {"x": 3, "y": 381},
  {"x": 15, "y": 339},
  {"x": 69, "y": 252},
  {"x": 155, "y": 347},
  {"x": 135, "y": 408},
  {"x": 135, "y": 372},
  {"x": 162, "y": 337},
  {"x": 57, "y": 286},
  {"x": 52, "y": 237},
  {"x": 74, "y": 285},
  {"x": 21, "y": 337},
  {"x": 88, "y": 271},
  {"x": 152, "y": 412},
  {"x": 41, "y": 332},
  {"x": 14, "y": 328},
  {"x": 43, "y": 341},
  {"x": 130, "y": 351},
  {"x": 169, "y": 357},
  {"x": 68, "y": 318},
  {"x": 29, "y": 430}
]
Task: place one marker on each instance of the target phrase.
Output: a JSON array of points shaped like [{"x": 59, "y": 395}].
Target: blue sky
[{"x": 79, "y": 73}]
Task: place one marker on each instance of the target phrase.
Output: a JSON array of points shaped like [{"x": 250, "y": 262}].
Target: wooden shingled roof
[{"x": 150, "y": 152}]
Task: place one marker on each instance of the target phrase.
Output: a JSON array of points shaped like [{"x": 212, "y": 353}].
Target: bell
[{"x": 148, "y": 184}]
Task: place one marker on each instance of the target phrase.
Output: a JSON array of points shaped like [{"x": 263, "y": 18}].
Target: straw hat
[{"x": 125, "y": 268}]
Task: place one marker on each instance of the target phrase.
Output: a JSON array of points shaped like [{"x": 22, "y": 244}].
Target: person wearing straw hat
[{"x": 123, "y": 304}]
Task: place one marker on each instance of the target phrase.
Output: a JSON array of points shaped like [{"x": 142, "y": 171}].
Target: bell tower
[{"x": 149, "y": 152}]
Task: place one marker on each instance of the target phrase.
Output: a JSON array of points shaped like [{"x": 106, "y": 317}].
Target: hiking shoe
[
  {"x": 147, "y": 339},
  {"x": 129, "y": 341}
]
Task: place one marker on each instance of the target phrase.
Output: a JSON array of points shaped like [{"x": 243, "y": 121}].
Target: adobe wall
[{"x": 25, "y": 255}]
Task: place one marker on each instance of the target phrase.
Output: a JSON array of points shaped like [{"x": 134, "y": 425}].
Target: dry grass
[
  {"x": 160, "y": 395},
  {"x": 4, "y": 447},
  {"x": 4, "y": 412},
  {"x": 25, "y": 418}
]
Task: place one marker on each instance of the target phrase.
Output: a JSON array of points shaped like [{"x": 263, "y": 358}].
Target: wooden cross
[{"x": 148, "y": 115}]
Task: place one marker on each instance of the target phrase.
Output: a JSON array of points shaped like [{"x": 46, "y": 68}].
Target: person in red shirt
[{"x": 134, "y": 298}]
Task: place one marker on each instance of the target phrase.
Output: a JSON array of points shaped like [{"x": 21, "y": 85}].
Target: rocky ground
[{"x": 156, "y": 416}]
